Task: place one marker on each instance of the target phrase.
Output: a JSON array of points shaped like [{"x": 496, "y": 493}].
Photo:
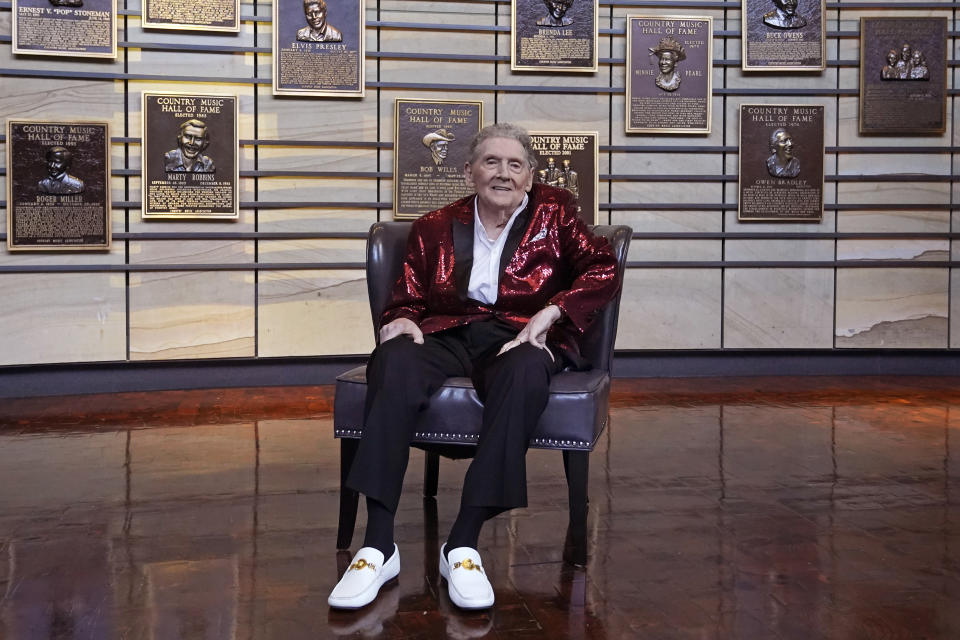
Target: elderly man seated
[{"x": 496, "y": 286}]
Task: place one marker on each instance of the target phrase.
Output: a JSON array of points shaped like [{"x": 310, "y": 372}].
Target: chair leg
[
  {"x": 349, "y": 499},
  {"x": 576, "y": 465},
  {"x": 431, "y": 474}
]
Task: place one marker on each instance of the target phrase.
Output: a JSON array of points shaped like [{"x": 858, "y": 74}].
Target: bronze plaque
[
  {"x": 58, "y": 185},
  {"x": 669, "y": 79},
  {"x": 903, "y": 75},
  {"x": 318, "y": 48},
  {"x": 568, "y": 159},
  {"x": 553, "y": 35},
  {"x": 189, "y": 158},
  {"x": 209, "y": 15},
  {"x": 76, "y": 28},
  {"x": 783, "y": 35},
  {"x": 781, "y": 162},
  {"x": 430, "y": 148}
]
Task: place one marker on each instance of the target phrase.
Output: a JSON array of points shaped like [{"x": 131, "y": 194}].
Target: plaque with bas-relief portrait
[
  {"x": 783, "y": 35},
  {"x": 431, "y": 140},
  {"x": 209, "y": 15},
  {"x": 58, "y": 185},
  {"x": 903, "y": 75},
  {"x": 669, "y": 74},
  {"x": 74, "y": 28},
  {"x": 553, "y": 35},
  {"x": 781, "y": 163},
  {"x": 189, "y": 156},
  {"x": 568, "y": 159},
  {"x": 318, "y": 48}
]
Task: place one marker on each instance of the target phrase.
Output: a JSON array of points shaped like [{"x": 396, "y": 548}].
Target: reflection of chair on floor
[{"x": 575, "y": 416}]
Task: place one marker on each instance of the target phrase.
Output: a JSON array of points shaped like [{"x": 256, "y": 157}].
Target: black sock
[
  {"x": 466, "y": 529},
  {"x": 379, "y": 533}
]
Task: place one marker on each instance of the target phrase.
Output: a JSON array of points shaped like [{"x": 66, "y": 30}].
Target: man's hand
[
  {"x": 401, "y": 326},
  {"x": 536, "y": 330}
]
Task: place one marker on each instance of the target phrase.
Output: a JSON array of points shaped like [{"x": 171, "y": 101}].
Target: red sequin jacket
[{"x": 550, "y": 257}]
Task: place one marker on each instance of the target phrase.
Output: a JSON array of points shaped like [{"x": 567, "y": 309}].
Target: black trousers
[{"x": 401, "y": 377}]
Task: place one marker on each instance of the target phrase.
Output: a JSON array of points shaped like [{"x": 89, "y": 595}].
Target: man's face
[
  {"x": 316, "y": 15},
  {"x": 566, "y": 165},
  {"x": 789, "y": 7},
  {"x": 784, "y": 146},
  {"x": 667, "y": 62},
  {"x": 892, "y": 57},
  {"x": 500, "y": 174},
  {"x": 56, "y": 164},
  {"x": 192, "y": 141},
  {"x": 558, "y": 8},
  {"x": 440, "y": 148},
  {"x": 906, "y": 52}
]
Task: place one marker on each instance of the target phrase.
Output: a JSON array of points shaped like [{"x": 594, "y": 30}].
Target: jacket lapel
[
  {"x": 462, "y": 232},
  {"x": 516, "y": 234}
]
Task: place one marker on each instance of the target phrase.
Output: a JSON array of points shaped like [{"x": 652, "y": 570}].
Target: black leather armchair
[{"x": 575, "y": 416}]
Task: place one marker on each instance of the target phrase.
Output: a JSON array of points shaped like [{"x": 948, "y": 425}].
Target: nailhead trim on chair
[{"x": 459, "y": 437}]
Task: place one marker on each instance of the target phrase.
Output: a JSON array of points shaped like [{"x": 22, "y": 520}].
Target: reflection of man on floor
[
  {"x": 188, "y": 156},
  {"x": 497, "y": 286},
  {"x": 317, "y": 29},
  {"x": 58, "y": 181}
]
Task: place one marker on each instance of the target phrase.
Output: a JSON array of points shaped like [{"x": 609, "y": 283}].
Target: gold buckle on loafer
[
  {"x": 468, "y": 564},
  {"x": 362, "y": 564}
]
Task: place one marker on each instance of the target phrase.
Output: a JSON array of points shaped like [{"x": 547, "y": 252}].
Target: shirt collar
[{"x": 479, "y": 225}]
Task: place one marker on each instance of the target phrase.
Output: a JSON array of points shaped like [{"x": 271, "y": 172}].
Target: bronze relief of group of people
[
  {"x": 906, "y": 64},
  {"x": 565, "y": 178}
]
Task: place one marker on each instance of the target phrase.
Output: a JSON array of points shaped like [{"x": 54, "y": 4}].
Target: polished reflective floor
[{"x": 742, "y": 508}]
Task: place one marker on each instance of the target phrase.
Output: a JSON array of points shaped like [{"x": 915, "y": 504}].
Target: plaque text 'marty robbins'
[
  {"x": 568, "y": 159},
  {"x": 189, "y": 156},
  {"x": 209, "y": 15},
  {"x": 783, "y": 35},
  {"x": 553, "y": 35},
  {"x": 78, "y": 28},
  {"x": 431, "y": 140},
  {"x": 903, "y": 75},
  {"x": 58, "y": 185},
  {"x": 669, "y": 64},
  {"x": 781, "y": 162},
  {"x": 318, "y": 48}
]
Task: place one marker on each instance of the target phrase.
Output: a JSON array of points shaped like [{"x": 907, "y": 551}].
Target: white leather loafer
[
  {"x": 467, "y": 581},
  {"x": 363, "y": 578}
]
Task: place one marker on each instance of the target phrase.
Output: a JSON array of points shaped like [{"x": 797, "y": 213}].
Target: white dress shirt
[{"x": 485, "y": 275}]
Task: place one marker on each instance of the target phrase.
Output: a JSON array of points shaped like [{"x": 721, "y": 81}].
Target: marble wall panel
[
  {"x": 313, "y": 313},
  {"x": 180, "y": 315},
  {"x": 310, "y": 219},
  {"x": 93, "y": 474},
  {"x": 309, "y": 190},
  {"x": 899, "y": 249},
  {"x": 62, "y": 98},
  {"x": 892, "y": 308},
  {"x": 542, "y": 112},
  {"x": 778, "y": 309},
  {"x": 320, "y": 250},
  {"x": 675, "y": 250},
  {"x": 670, "y": 309},
  {"x": 893, "y": 221},
  {"x": 286, "y": 118},
  {"x": 885, "y": 193},
  {"x": 710, "y": 193},
  {"x": 668, "y": 221},
  {"x": 778, "y": 250},
  {"x": 647, "y": 163},
  {"x": 874, "y": 163},
  {"x": 62, "y": 317},
  {"x": 192, "y": 251},
  {"x": 277, "y": 158},
  {"x": 219, "y": 460}
]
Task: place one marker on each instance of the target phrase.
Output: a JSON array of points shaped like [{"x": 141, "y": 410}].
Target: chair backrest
[{"x": 387, "y": 244}]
